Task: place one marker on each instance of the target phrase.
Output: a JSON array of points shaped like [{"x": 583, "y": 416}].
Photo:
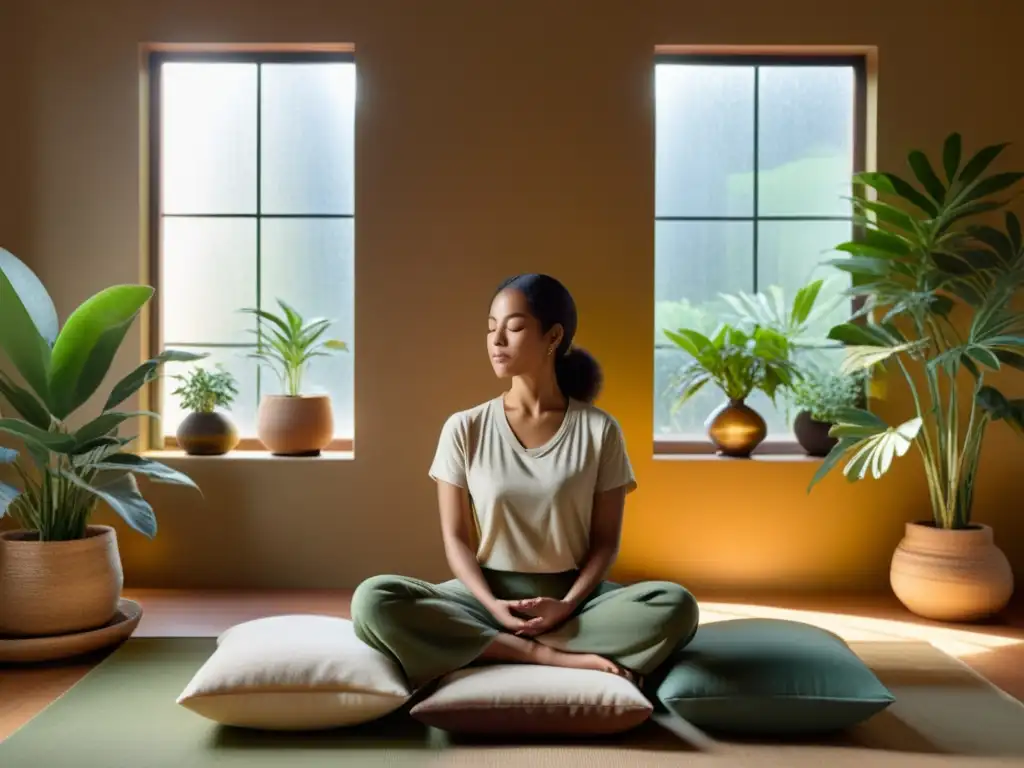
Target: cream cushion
[
  {"x": 294, "y": 672},
  {"x": 530, "y": 699}
]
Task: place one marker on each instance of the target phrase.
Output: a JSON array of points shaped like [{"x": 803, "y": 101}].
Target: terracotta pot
[
  {"x": 58, "y": 587},
  {"x": 207, "y": 434},
  {"x": 813, "y": 434},
  {"x": 950, "y": 575},
  {"x": 295, "y": 426},
  {"x": 736, "y": 429}
]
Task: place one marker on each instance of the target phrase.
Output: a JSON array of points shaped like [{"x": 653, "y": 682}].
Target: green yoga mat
[{"x": 123, "y": 715}]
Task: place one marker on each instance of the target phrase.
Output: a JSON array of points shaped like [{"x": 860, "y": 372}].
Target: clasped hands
[{"x": 532, "y": 616}]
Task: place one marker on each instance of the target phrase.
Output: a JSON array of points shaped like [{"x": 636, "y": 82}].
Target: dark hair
[{"x": 578, "y": 373}]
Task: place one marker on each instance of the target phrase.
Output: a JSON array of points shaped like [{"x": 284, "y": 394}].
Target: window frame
[
  {"x": 669, "y": 446},
  {"x": 154, "y": 215}
]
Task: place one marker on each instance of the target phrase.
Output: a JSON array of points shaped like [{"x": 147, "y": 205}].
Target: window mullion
[{"x": 757, "y": 163}]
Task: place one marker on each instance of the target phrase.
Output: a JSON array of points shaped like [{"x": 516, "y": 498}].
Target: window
[
  {"x": 754, "y": 157},
  {"x": 253, "y": 201}
]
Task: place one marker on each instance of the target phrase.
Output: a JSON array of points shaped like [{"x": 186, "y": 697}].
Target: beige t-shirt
[{"x": 532, "y": 505}]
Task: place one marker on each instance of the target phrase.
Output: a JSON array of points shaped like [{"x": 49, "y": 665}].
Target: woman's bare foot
[{"x": 555, "y": 658}]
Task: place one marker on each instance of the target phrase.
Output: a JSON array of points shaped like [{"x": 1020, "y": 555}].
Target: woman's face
[{"x": 515, "y": 342}]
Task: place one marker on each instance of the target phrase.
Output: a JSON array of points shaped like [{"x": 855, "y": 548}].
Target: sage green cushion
[{"x": 769, "y": 677}]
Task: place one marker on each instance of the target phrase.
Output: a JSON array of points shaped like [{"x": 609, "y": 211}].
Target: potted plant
[
  {"x": 293, "y": 423},
  {"x": 923, "y": 268},
  {"x": 58, "y": 572},
  {"x": 738, "y": 363},
  {"x": 819, "y": 394},
  {"x": 206, "y": 431}
]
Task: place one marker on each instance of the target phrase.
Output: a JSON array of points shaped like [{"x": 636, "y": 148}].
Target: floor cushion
[
  {"x": 294, "y": 672},
  {"x": 532, "y": 700},
  {"x": 769, "y": 676}
]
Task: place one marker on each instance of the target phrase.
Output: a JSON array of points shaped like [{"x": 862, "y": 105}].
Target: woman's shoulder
[
  {"x": 597, "y": 419},
  {"x": 467, "y": 418}
]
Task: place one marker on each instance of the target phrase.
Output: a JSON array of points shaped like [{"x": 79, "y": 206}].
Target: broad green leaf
[
  {"x": 859, "y": 334},
  {"x": 54, "y": 441},
  {"x": 33, "y": 295},
  {"x": 861, "y": 265},
  {"x": 995, "y": 240},
  {"x": 121, "y": 492},
  {"x": 87, "y": 343},
  {"x": 875, "y": 180},
  {"x": 96, "y": 443},
  {"x": 269, "y": 317},
  {"x": 25, "y": 403},
  {"x": 926, "y": 175},
  {"x": 146, "y": 373},
  {"x": 839, "y": 450},
  {"x": 691, "y": 341},
  {"x": 158, "y": 472},
  {"x": 1013, "y": 230},
  {"x": 941, "y": 305},
  {"x": 889, "y": 214},
  {"x": 23, "y": 303},
  {"x": 105, "y": 423},
  {"x": 951, "y": 156},
  {"x": 8, "y": 493},
  {"x": 1012, "y": 359},
  {"x": 904, "y": 189},
  {"x": 960, "y": 212},
  {"x": 854, "y": 430},
  {"x": 876, "y": 453},
  {"x": 859, "y": 417},
  {"x": 990, "y": 186},
  {"x": 1000, "y": 408},
  {"x": 982, "y": 356},
  {"x": 979, "y": 162}
]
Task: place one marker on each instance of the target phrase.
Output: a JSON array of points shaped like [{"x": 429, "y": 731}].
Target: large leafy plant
[
  {"x": 735, "y": 360},
  {"x": 938, "y": 289},
  {"x": 287, "y": 343},
  {"x": 69, "y": 471}
]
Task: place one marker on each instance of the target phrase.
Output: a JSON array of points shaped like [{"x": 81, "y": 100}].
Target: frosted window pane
[
  {"x": 208, "y": 274},
  {"x": 791, "y": 254},
  {"x": 307, "y": 142},
  {"x": 242, "y": 411},
  {"x": 805, "y": 144},
  {"x": 208, "y": 135},
  {"x": 694, "y": 263},
  {"x": 309, "y": 263},
  {"x": 704, "y": 158}
]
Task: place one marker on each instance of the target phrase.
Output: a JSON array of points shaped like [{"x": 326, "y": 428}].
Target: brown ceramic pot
[
  {"x": 58, "y": 587},
  {"x": 295, "y": 426},
  {"x": 736, "y": 429},
  {"x": 813, "y": 435},
  {"x": 207, "y": 434},
  {"x": 950, "y": 575}
]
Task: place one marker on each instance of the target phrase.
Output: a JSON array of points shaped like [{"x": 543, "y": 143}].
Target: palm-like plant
[
  {"x": 918, "y": 265},
  {"x": 287, "y": 344},
  {"x": 736, "y": 361},
  {"x": 72, "y": 470}
]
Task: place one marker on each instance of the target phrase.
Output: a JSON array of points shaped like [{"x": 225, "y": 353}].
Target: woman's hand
[
  {"x": 546, "y": 614},
  {"x": 501, "y": 610}
]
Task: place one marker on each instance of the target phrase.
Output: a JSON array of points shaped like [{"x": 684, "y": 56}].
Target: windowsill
[
  {"x": 247, "y": 455},
  {"x": 702, "y": 450},
  {"x": 763, "y": 456}
]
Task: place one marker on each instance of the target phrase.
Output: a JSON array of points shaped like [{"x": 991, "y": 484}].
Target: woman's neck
[{"x": 535, "y": 396}]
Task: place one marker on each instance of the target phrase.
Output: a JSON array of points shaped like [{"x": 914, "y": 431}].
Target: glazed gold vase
[{"x": 736, "y": 429}]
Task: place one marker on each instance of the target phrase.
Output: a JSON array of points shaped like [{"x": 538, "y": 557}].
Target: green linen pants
[{"x": 433, "y": 629}]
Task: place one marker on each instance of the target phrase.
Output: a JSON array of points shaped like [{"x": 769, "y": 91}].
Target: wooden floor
[{"x": 994, "y": 649}]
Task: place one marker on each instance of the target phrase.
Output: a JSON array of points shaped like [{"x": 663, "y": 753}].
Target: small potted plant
[
  {"x": 737, "y": 362},
  {"x": 59, "y": 573},
  {"x": 206, "y": 431},
  {"x": 293, "y": 423},
  {"x": 819, "y": 395}
]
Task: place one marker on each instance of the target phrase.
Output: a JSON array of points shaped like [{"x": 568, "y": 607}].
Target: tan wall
[{"x": 498, "y": 137}]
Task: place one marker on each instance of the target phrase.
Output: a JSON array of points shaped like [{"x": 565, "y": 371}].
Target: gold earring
[{"x": 551, "y": 351}]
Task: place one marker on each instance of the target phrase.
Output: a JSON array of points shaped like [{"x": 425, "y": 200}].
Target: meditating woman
[{"x": 531, "y": 487}]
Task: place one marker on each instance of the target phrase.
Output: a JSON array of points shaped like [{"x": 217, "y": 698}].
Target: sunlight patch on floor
[{"x": 955, "y": 642}]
